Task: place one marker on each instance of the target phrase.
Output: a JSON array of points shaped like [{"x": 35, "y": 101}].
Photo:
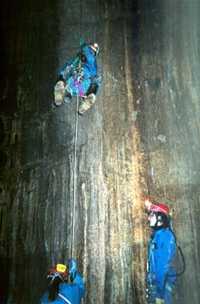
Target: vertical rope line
[
  {"x": 75, "y": 161},
  {"x": 74, "y": 177}
]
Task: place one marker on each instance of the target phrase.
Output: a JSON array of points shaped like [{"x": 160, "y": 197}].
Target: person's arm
[
  {"x": 80, "y": 282},
  {"x": 89, "y": 55},
  {"x": 163, "y": 259},
  {"x": 66, "y": 71}
]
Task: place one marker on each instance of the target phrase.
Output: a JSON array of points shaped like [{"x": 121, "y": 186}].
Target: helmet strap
[
  {"x": 159, "y": 222},
  {"x": 54, "y": 275}
]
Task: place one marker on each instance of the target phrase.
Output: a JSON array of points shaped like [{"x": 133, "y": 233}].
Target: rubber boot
[
  {"x": 59, "y": 91},
  {"x": 86, "y": 103}
]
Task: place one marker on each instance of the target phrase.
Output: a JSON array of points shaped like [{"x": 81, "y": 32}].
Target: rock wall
[{"x": 73, "y": 186}]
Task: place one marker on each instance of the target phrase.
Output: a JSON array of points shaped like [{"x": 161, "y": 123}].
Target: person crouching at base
[
  {"x": 161, "y": 274},
  {"x": 65, "y": 285}
]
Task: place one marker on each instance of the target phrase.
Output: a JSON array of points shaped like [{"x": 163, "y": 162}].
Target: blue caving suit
[
  {"x": 80, "y": 74},
  {"x": 69, "y": 293},
  {"x": 161, "y": 274}
]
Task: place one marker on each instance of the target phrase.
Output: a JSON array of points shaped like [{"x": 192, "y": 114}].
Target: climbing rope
[{"x": 74, "y": 176}]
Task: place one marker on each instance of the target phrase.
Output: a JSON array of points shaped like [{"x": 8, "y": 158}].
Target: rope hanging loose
[{"x": 74, "y": 176}]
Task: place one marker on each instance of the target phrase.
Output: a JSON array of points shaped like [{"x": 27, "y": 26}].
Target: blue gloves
[{"x": 72, "y": 264}]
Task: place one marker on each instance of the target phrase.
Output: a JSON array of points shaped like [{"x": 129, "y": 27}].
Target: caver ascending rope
[{"x": 79, "y": 77}]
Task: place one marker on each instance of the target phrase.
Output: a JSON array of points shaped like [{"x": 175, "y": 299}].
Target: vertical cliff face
[
  {"x": 72, "y": 185},
  {"x": 74, "y": 182},
  {"x": 168, "y": 64}
]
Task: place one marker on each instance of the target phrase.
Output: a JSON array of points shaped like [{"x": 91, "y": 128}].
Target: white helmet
[{"x": 95, "y": 48}]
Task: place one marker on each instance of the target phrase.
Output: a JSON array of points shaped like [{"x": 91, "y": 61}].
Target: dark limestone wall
[
  {"x": 29, "y": 59},
  {"x": 64, "y": 197},
  {"x": 72, "y": 186}
]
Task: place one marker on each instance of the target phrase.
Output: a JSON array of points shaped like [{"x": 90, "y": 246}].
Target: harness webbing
[
  {"x": 64, "y": 299},
  {"x": 74, "y": 176}
]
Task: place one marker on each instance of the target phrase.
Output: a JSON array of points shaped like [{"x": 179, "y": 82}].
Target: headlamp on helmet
[
  {"x": 60, "y": 270},
  {"x": 95, "y": 48}
]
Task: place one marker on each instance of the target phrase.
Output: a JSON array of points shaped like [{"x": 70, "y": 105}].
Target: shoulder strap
[
  {"x": 64, "y": 299},
  {"x": 181, "y": 254},
  {"x": 183, "y": 261}
]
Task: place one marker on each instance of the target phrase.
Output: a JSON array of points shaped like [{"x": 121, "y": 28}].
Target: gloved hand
[
  {"x": 72, "y": 264},
  {"x": 160, "y": 301}
]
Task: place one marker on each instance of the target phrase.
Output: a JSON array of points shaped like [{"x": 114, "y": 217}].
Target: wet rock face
[{"x": 71, "y": 185}]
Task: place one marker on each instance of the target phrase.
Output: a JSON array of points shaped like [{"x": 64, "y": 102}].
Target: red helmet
[
  {"x": 153, "y": 206},
  {"x": 159, "y": 207}
]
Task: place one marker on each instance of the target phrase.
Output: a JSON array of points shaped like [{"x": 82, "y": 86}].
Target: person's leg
[
  {"x": 67, "y": 96},
  {"x": 92, "y": 89},
  {"x": 59, "y": 91},
  {"x": 168, "y": 293}
]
